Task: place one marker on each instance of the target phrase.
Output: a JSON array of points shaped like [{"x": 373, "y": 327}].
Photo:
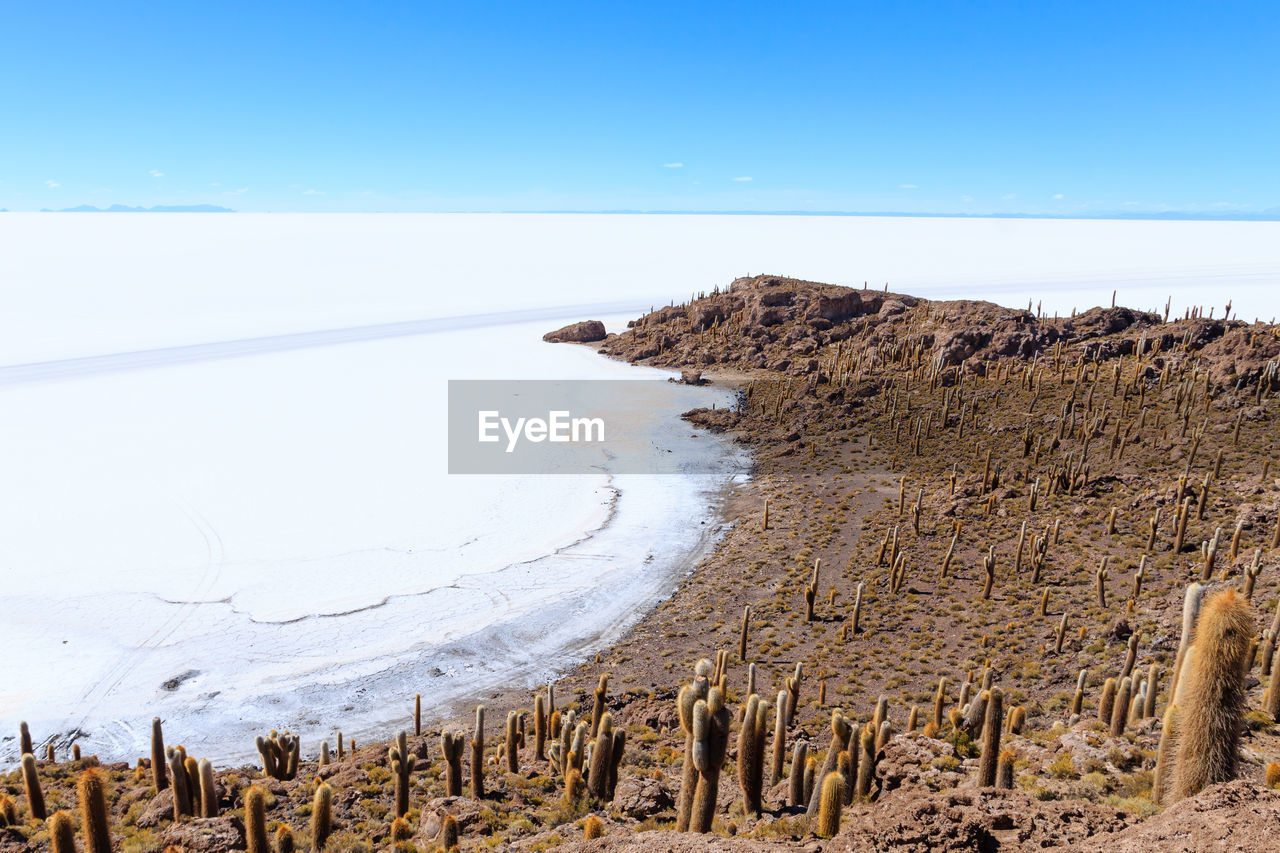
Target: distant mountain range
[{"x": 159, "y": 208}]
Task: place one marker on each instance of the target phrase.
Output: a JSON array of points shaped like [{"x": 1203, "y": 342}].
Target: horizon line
[{"x": 1172, "y": 215}]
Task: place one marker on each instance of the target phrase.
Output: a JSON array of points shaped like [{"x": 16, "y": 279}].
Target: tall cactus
[
  {"x": 840, "y": 733},
  {"x": 402, "y": 765},
  {"x": 830, "y": 803},
  {"x": 159, "y": 769},
  {"x": 451, "y": 746},
  {"x": 795, "y": 780},
  {"x": 688, "y": 698},
  {"x": 711, "y": 720},
  {"x": 31, "y": 783},
  {"x": 62, "y": 833},
  {"x": 1209, "y": 716},
  {"x": 255, "y": 819},
  {"x": 321, "y": 816},
  {"x": 208, "y": 792},
  {"x": 991, "y": 730},
  {"x": 601, "y": 760},
  {"x": 92, "y": 792},
  {"x": 751, "y": 738},
  {"x": 477, "y": 756}
]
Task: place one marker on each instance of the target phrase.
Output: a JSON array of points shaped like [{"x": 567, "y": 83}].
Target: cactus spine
[{"x": 830, "y": 803}]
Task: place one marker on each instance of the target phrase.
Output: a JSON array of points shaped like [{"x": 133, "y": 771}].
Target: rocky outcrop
[
  {"x": 206, "y": 835},
  {"x": 1234, "y": 816},
  {"x": 588, "y": 331}
]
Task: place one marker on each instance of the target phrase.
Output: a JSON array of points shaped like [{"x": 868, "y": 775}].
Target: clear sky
[{"x": 1076, "y": 108}]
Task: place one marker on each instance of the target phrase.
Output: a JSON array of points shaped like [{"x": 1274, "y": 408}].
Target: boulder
[
  {"x": 588, "y": 331},
  {"x": 640, "y": 798},
  {"x": 206, "y": 835}
]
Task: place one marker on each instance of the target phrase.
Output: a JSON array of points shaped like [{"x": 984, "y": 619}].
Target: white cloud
[
  {"x": 215, "y": 184},
  {"x": 966, "y": 198},
  {"x": 313, "y": 192},
  {"x": 908, "y": 187},
  {"x": 1132, "y": 203},
  {"x": 1008, "y": 196},
  {"x": 52, "y": 183},
  {"x": 742, "y": 179},
  {"x": 1057, "y": 196},
  {"x": 156, "y": 173},
  {"x": 240, "y": 191},
  {"x": 673, "y": 165}
]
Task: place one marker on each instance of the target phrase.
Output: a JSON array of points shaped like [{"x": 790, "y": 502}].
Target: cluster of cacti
[{"x": 280, "y": 752}]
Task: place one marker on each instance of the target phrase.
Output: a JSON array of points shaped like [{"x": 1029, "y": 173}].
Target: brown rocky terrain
[{"x": 954, "y": 490}]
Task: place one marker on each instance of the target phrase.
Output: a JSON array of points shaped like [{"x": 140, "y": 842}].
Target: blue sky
[{"x": 945, "y": 107}]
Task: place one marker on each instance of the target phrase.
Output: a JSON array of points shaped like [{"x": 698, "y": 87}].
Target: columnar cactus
[
  {"x": 1107, "y": 701},
  {"x": 208, "y": 793},
  {"x": 402, "y": 765},
  {"x": 31, "y": 783},
  {"x": 840, "y": 733},
  {"x": 751, "y": 738},
  {"x": 1210, "y": 716},
  {"x": 830, "y": 803},
  {"x": 321, "y": 816},
  {"x": 601, "y": 760},
  {"x": 539, "y": 728},
  {"x": 451, "y": 746},
  {"x": 255, "y": 819},
  {"x": 866, "y": 764},
  {"x": 779, "y": 738},
  {"x": 600, "y": 702},
  {"x": 795, "y": 781},
  {"x": 711, "y": 721},
  {"x": 62, "y": 834},
  {"x": 688, "y": 698},
  {"x": 1120, "y": 708},
  {"x": 159, "y": 769},
  {"x": 991, "y": 727},
  {"x": 178, "y": 779},
  {"x": 477, "y": 756},
  {"x": 92, "y": 792}
]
